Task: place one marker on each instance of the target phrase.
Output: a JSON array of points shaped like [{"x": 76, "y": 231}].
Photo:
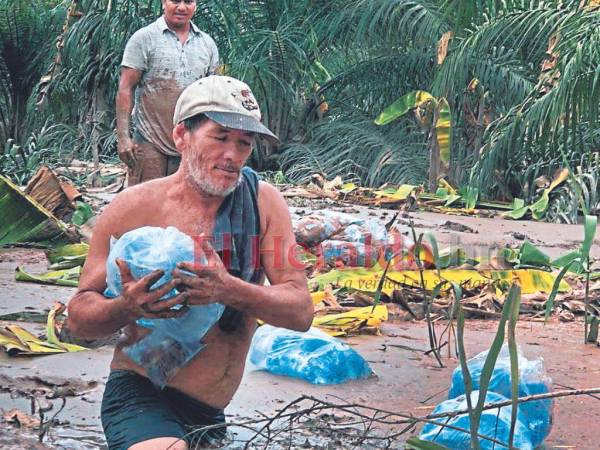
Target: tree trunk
[{"x": 434, "y": 160}]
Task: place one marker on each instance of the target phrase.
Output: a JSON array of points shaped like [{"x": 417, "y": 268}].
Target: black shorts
[{"x": 134, "y": 410}]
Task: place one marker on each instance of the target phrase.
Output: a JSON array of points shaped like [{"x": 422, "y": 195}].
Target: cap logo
[{"x": 247, "y": 100}]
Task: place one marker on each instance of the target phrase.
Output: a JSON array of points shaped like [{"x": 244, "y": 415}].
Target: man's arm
[
  {"x": 286, "y": 302},
  {"x": 124, "y": 105},
  {"x": 91, "y": 315}
]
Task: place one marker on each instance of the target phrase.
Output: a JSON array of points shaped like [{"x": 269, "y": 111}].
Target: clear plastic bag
[
  {"x": 372, "y": 229},
  {"x": 171, "y": 343},
  {"x": 351, "y": 254},
  {"x": 316, "y": 228},
  {"x": 495, "y": 423},
  {"x": 313, "y": 356},
  {"x": 532, "y": 380}
]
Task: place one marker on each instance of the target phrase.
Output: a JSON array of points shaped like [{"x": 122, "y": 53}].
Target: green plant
[
  {"x": 434, "y": 116},
  {"x": 510, "y": 314},
  {"x": 577, "y": 261}
]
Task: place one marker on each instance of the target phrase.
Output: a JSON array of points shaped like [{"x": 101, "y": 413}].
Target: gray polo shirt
[{"x": 168, "y": 67}]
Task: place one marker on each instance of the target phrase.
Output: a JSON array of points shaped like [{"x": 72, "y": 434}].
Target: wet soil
[{"x": 407, "y": 380}]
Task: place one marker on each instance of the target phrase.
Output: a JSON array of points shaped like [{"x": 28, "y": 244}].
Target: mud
[{"x": 407, "y": 380}]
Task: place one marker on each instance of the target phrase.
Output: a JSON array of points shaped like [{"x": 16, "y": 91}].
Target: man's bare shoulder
[
  {"x": 269, "y": 197},
  {"x": 133, "y": 207},
  {"x": 272, "y": 206}
]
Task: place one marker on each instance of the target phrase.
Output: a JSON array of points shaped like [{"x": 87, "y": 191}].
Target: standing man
[{"x": 160, "y": 60}]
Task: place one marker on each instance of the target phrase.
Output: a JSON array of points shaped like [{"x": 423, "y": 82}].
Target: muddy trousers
[{"x": 151, "y": 162}]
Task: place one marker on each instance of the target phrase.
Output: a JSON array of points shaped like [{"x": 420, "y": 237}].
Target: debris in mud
[
  {"x": 455, "y": 226},
  {"x": 107, "y": 176},
  {"x": 57, "y": 196},
  {"x": 19, "y": 419},
  {"x": 446, "y": 199},
  {"x": 47, "y": 386},
  {"x": 519, "y": 236}
]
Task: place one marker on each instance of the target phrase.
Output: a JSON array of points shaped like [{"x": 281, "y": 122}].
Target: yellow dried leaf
[
  {"x": 367, "y": 280},
  {"x": 442, "y": 47},
  {"x": 352, "y": 321}
]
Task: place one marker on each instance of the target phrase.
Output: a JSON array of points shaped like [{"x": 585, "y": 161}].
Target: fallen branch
[
  {"x": 285, "y": 423},
  {"x": 529, "y": 398}
]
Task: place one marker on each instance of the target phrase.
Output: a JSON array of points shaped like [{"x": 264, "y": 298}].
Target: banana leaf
[
  {"x": 539, "y": 208},
  {"x": 65, "y": 277},
  {"x": 530, "y": 255},
  {"x": 82, "y": 214},
  {"x": 453, "y": 257},
  {"x": 367, "y": 280},
  {"x": 32, "y": 344},
  {"x": 351, "y": 321},
  {"x": 18, "y": 341},
  {"x": 23, "y": 220},
  {"x": 443, "y": 128},
  {"x": 67, "y": 256},
  {"x": 348, "y": 187},
  {"x": 403, "y": 105},
  {"x": 402, "y": 193},
  {"x": 51, "y": 336}
]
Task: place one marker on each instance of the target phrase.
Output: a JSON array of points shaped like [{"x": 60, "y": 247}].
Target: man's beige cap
[{"x": 225, "y": 100}]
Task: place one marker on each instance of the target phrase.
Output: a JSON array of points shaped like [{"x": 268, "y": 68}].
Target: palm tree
[
  {"x": 24, "y": 46},
  {"x": 522, "y": 79}
]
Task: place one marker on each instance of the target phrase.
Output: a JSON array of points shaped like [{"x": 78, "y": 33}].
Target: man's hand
[
  {"x": 127, "y": 151},
  {"x": 210, "y": 283},
  {"x": 142, "y": 302}
]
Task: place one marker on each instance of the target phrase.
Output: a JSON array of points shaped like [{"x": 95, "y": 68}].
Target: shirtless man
[{"x": 216, "y": 119}]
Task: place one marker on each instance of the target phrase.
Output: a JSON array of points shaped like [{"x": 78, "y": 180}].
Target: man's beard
[{"x": 199, "y": 176}]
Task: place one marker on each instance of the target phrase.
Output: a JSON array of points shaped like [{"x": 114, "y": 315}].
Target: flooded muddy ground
[{"x": 407, "y": 381}]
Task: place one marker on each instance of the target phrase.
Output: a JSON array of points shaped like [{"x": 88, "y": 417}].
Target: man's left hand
[{"x": 211, "y": 283}]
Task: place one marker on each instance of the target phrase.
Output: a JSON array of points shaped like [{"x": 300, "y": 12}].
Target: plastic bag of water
[
  {"x": 494, "y": 424},
  {"x": 313, "y": 356},
  {"x": 532, "y": 380},
  {"x": 172, "y": 343}
]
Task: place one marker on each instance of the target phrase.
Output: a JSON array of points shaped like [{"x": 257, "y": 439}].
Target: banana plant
[{"x": 433, "y": 115}]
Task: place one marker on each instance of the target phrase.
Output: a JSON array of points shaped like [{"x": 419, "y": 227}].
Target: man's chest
[
  {"x": 185, "y": 63},
  {"x": 191, "y": 223}
]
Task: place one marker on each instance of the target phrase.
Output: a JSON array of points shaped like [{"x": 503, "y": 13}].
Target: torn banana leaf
[
  {"x": 11, "y": 344},
  {"x": 539, "y": 208},
  {"x": 443, "y": 127},
  {"x": 51, "y": 336},
  {"x": 33, "y": 344},
  {"x": 402, "y": 106},
  {"x": 366, "y": 280},
  {"x": 319, "y": 296},
  {"x": 82, "y": 214},
  {"x": 18, "y": 341},
  {"x": 67, "y": 256},
  {"x": 65, "y": 277},
  {"x": 347, "y": 188},
  {"x": 453, "y": 257},
  {"x": 351, "y": 321},
  {"x": 530, "y": 255},
  {"x": 399, "y": 194},
  {"x": 23, "y": 220}
]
